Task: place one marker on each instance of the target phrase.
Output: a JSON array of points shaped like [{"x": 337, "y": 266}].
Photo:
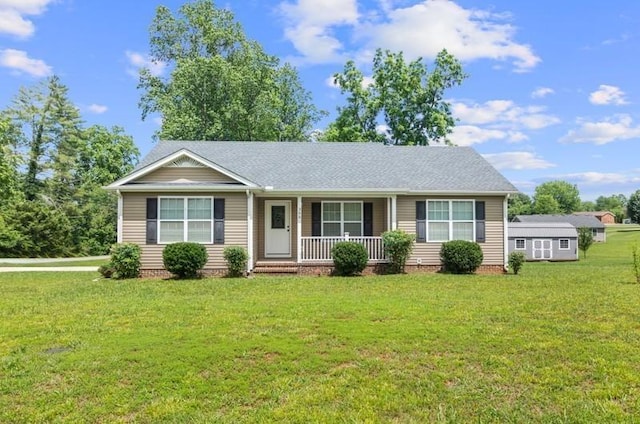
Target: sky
[{"x": 552, "y": 92}]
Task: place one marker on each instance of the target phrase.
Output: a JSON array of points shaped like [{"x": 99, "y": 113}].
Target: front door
[
  {"x": 277, "y": 226},
  {"x": 542, "y": 249}
]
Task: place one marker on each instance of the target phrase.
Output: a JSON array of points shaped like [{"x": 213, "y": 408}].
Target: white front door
[
  {"x": 277, "y": 228},
  {"x": 542, "y": 249}
]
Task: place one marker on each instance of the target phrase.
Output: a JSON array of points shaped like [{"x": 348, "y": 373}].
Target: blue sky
[{"x": 553, "y": 89}]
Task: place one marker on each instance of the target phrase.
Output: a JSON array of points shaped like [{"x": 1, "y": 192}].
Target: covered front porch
[{"x": 294, "y": 232}]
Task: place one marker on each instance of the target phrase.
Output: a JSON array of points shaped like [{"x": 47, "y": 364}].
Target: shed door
[{"x": 542, "y": 249}]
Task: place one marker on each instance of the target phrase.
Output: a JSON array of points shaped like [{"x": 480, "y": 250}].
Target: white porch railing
[{"x": 318, "y": 249}]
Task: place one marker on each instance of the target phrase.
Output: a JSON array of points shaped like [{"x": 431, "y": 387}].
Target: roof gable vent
[{"x": 185, "y": 162}]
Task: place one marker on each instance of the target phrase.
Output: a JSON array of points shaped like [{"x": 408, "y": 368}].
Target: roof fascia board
[{"x": 182, "y": 152}]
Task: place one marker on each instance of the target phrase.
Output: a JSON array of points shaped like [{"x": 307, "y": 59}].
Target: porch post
[
  {"x": 505, "y": 230},
  {"x": 120, "y": 218},
  {"x": 394, "y": 220},
  {"x": 388, "y": 213},
  {"x": 250, "y": 230},
  {"x": 299, "y": 230}
]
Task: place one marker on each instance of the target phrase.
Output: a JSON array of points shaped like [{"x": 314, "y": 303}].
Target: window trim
[
  {"x": 560, "y": 244},
  {"x": 185, "y": 220},
  {"x": 524, "y": 243},
  {"x": 451, "y": 221},
  {"x": 342, "y": 221}
]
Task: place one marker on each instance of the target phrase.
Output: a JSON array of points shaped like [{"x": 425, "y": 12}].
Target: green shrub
[
  {"x": 397, "y": 246},
  {"x": 106, "y": 270},
  {"x": 635, "y": 253},
  {"x": 516, "y": 260},
  {"x": 125, "y": 260},
  {"x": 461, "y": 256},
  {"x": 184, "y": 259},
  {"x": 349, "y": 257},
  {"x": 236, "y": 258}
]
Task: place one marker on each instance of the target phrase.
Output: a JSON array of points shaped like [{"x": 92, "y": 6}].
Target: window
[
  {"x": 594, "y": 231},
  {"x": 341, "y": 217},
  {"x": 520, "y": 244},
  {"x": 185, "y": 219},
  {"x": 450, "y": 220},
  {"x": 564, "y": 244}
]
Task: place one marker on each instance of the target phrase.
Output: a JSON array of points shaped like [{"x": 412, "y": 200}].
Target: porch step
[{"x": 267, "y": 267}]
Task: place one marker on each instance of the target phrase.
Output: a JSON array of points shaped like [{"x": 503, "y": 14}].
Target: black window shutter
[
  {"x": 152, "y": 220},
  {"x": 218, "y": 221},
  {"x": 316, "y": 219},
  {"x": 367, "y": 212},
  {"x": 421, "y": 221},
  {"x": 480, "y": 222}
]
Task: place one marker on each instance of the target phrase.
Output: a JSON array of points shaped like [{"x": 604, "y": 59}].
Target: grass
[{"x": 558, "y": 343}]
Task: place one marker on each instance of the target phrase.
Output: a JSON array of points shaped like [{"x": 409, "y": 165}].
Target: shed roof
[
  {"x": 345, "y": 166},
  {"x": 575, "y": 220},
  {"x": 542, "y": 229}
]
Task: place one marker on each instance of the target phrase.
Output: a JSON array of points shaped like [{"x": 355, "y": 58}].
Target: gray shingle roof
[
  {"x": 575, "y": 220},
  {"x": 344, "y": 166},
  {"x": 541, "y": 229}
]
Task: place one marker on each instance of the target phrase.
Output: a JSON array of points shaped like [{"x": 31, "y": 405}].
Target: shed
[
  {"x": 597, "y": 227},
  {"x": 544, "y": 241}
]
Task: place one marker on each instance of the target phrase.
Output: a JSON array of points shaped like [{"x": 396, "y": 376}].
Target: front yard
[{"x": 560, "y": 342}]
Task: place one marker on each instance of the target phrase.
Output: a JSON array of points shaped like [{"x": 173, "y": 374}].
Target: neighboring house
[
  {"x": 578, "y": 221},
  {"x": 289, "y": 203},
  {"x": 553, "y": 241},
  {"x": 605, "y": 217}
]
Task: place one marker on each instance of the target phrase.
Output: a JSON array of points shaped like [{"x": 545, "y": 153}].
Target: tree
[
  {"x": 633, "y": 207},
  {"x": 565, "y": 194},
  {"x": 407, "y": 95},
  {"x": 616, "y": 204},
  {"x": 545, "y": 204},
  {"x": 519, "y": 204},
  {"x": 222, "y": 86},
  {"x": 585, "y": 239},
  {"x": 588, "y": 206},
  {"x": 47, "y": 126},
  {"x": 9, "y": 161}
]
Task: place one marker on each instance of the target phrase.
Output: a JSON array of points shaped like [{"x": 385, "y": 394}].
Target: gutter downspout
[
  {"x": 505, "y": 241},
  {"x": 120, "y": 224}
]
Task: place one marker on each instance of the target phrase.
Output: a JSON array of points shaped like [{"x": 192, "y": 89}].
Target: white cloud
[
  {"x": 541, "y": 92},
  {"x": 425, "y": 28},
  {"x": 608, "y": 95},
  {"x": 97, "y": 109},
  {"x": 601, "y": 178},
  {"x": 12, "y": 12},
  {"x": 467, "y": 135},
  {"x": 503, "y": 114},
  {"x": 517, "y": 161},
  {"x": 611, "y": 129},
  {"x": 309, "y": 26},
  {"x": 19, "y": 61},
  {"x": 139, "y": 60}
]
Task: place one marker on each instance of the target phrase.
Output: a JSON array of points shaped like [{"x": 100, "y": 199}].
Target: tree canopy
[
  {"x": 633, "y": 207},
  {"x": 222, "y": 85},
  {"x": 566, "y": 196},
  {"x": 406, "y": 96}
]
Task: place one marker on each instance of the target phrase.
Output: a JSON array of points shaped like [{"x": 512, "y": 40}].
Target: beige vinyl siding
[
  {"x": 169, "y": 174},
  {"x": 379, "y": 213},
  {"x": 429, "y": 253},
  {"x": 134, "y": 227}
]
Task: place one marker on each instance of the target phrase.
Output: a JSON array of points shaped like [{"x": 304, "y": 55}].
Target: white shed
[{"x": 549, "y": 241}]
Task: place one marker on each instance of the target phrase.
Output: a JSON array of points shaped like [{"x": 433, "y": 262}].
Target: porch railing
[{"x": 318, "y": 249}]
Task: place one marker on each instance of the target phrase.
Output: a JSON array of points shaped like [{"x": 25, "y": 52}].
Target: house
[
  {"x": 540, "y": 241},
  {"x": 289, "y": 203},
  {"x": 605, "y": 217},
  {"x": 578, "y": 221}
]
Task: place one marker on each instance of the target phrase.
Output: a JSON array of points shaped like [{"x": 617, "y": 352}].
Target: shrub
[
  {"x": 397, "y": 246},
  {"x": 236, "y": 258},
  {"x": 461, "y": 256},
  {"x": 106, "y": 270},
  {"x": 349, "y": 257},
  {"x": 516, "y": 260},
  {"x": 635, "y": 252},
  {"x": 184, "y": 259},
  {"x": 125, "y": 260}
]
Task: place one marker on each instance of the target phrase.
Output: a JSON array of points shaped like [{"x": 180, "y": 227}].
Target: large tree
[
  {"x": 633, "y": 207},
  {"x": 406, "y": 95},
  {"x": 519, "y": 204},
  {"x": 566, "y": 195},
  {"x": 221, "y": 85}
]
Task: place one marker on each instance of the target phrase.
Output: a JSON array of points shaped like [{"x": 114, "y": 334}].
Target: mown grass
[{"x": 558, "y": 343}]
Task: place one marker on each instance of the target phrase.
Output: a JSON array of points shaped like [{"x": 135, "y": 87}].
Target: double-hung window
[
  {"x": 185, "y": 219},
  {"x": 450, "y": 220},
  {"x": 339, "y": 218},
  {"x": 520, "y": 244},
  {"x": 564, "y": 244}
]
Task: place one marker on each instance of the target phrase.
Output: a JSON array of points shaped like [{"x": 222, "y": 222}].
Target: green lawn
[
  {"x": 558, "y": 343},
  {"x": 74, "y": 262}
]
